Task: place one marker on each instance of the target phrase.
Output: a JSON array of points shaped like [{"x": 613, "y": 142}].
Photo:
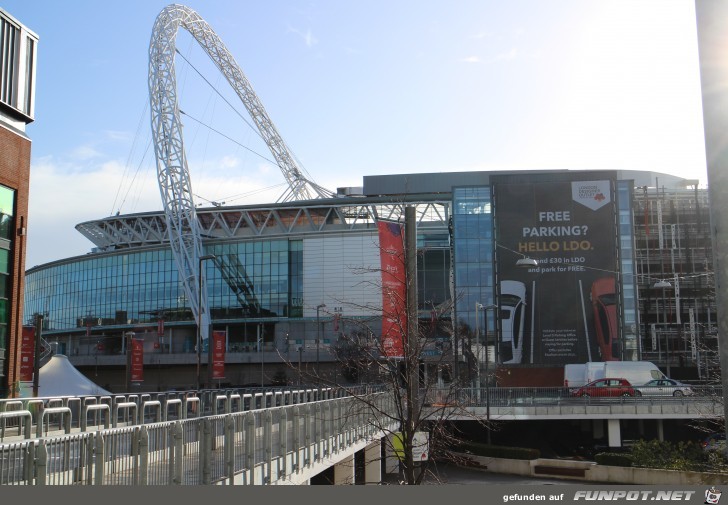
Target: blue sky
[{"x": 357, "y": 88}]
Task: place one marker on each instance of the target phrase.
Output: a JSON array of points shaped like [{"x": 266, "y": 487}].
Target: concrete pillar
[
  {"x": 373, "y": 463},
  {"x": 344, "y": 472},
  {"x": 660, "y": 430},
  {"x": 598, "y": 428},
  {"x": 615, "y": 437}
]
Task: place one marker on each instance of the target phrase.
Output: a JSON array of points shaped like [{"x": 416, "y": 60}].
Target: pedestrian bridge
[
  {"x": 267, "y": 443},
  {"x": 266, "y": 436}
]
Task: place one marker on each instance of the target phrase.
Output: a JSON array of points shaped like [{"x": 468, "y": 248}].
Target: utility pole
[{"x": 411, "y": 343}]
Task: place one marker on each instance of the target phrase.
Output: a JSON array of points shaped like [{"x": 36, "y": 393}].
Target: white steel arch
[{"x": 172, "y": 171}]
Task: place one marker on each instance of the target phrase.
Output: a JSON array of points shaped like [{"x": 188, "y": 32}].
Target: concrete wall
[
  {"x": 555, "y": 468},
  {"x": 342, "y": 270}
]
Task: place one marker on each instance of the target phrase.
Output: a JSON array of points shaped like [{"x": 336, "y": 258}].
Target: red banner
[
  {"x": 394, "y": 321},
  {"x": 218, "y": 355},
  {"x": 27, "y": 354},
  {"x": 160, "y": 327},
  {"x": 137, "y": 360}
]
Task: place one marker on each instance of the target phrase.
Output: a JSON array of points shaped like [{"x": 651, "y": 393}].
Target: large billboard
[{"x": 565, "y": 310}]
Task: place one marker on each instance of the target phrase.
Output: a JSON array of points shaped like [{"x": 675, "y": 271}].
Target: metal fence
[
  {"x": 252, "y": 447},
  {"x": 535, "y": 396},
  {"x": 38, "y": 417}
]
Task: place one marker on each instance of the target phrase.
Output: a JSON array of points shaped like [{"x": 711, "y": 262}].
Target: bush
[
  {"x": 497, "y": 451},
  {"x": 613, "y": 459},
  {"x": 686, "y": 456}
]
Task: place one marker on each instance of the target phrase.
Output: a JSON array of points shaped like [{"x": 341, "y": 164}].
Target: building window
[
  {"x": 17, "y": 65},
  {"x": 29, "y": 65},
  {"x": 9, "y": 36}
]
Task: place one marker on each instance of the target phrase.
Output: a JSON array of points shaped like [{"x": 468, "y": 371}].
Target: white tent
[{"x": 59, "y": 377}]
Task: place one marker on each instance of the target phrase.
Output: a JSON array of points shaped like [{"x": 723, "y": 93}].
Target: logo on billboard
[{"x": 591, "y": 194}]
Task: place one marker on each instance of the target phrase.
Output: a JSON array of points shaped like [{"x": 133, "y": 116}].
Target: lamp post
[
  {"x": 318, "y": 339},
  {"x": 485, "y": 309},
  {"x": 300, "y": 356},
  {"x": 260, "y": 350},
  {"x": 199, "y": 316}
]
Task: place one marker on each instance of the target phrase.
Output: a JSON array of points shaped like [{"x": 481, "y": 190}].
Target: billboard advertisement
[
  {"x": 565, "y": 309},
  {"x": 394, "y": 322},
  {"x": 218, "y": 355}
]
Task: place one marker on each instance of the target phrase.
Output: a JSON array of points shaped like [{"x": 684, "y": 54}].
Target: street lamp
[
  {"x": 485, "y": 309},
  {"x": 526, "y": 262},
  {"x": 199, "y": 315},
  {"x": 318, "y": 339}
]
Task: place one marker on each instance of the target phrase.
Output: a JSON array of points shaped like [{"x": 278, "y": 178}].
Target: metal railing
[
  {"x": 255, "y": 447},
  {"x": 50, "y": 415},
  {"x": 535, "y": 396}
]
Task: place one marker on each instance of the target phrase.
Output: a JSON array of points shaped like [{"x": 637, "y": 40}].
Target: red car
[
  {"x": 605, "y": 388},
  {"x": 604, "y": 302}
]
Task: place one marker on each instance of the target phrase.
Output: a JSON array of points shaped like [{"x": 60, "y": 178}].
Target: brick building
[{"x": 18, "y": 47}]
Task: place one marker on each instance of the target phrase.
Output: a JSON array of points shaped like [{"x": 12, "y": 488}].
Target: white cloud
[
  {"x": 117, "y": 135},
  {"x": 85, "y": 153},
  {"x": 229, "y": 162},
  {"x": 307, "y": 37},
  {"x": 471, "y": 59}
]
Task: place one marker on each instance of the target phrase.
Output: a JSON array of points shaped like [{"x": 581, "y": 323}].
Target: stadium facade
[{"x": 287, "y": 281}]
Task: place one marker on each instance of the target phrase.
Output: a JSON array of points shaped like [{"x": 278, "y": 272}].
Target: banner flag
[
  {"x": 27, "y": 354},
  {"x": 137, "y": 360},
  {"x": 394, "y": 287},
  {"x": 218, "y": 355}
]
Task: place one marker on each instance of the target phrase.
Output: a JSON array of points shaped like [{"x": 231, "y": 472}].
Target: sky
[{"x": 355, "y": 88}]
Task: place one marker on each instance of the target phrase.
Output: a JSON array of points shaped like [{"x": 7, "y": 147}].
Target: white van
[{"x": 636, "y": 372}]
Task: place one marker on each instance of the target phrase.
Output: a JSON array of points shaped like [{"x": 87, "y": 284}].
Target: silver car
[{"x": 663, "y": 387}]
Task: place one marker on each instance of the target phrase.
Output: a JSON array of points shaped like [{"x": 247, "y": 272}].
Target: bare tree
[{"x": 425, "y": 393}]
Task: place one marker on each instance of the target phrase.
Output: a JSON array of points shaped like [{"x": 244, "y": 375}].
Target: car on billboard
[
  {"x": 609, "y": 387},
  {"x": 513, "y": 318},
  {"x": 664, "y": 387},
  {"x": 604, "y": 303}
]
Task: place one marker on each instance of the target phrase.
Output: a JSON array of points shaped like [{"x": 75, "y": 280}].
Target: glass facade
[
  {"x": 628, "y": 285},
  {"x": 247, "y": 279},
  {"x": 7, "y": 234},
  {"x": 473, "y": 238}
]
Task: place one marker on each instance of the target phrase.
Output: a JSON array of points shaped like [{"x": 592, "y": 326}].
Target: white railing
[{"x": 262, "y": 446}]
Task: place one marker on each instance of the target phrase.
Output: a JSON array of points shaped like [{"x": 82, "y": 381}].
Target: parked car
[
  {"x": 513, "y": 318},
  {"x": 714, "y": 442},
  {"x": 608, "y": 387},
  {"x": 604, "y": 303},
  {"x": 664, "y": 387}
]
